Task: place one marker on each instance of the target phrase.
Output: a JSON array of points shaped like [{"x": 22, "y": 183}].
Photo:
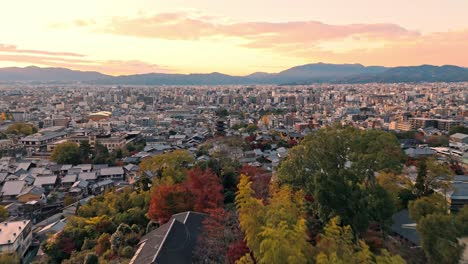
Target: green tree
[
  {"x": 103, "y": 244},
  {"x": 85, "y": 151},
  {"x": 7, "y": 258},
  {"x": 170, "y": 166},
  {"x": 386, "y": 258},
  {"x": 405, "y": 196},
  {"x": 4, "y": 214},
  {"x": 458, "y": 129},
  {"x": 420, "y": 185},
  {"x": 101, "y": 154},
  {"x": 337, "y": 245},
  {"x": 251, "y": 128},
  {"x": 222, "y": 112},
  {"x": 337, "y": 167},
  {"x": 91, "y": 259},
  {"x": 21, "y": 129},
  {"x": 461, "y": 221},
  {"x": 394, "y": 184},
  {"x": 432, "y": 175},
  {"x": 381, "y": 206},
  {"x": 426, "y": 205},
  {"x": 276, "y": 232},
  {"x": 119, "y": 154},
  {"x": 439, "y": 238},
  {"x": 66, "y": 153}
]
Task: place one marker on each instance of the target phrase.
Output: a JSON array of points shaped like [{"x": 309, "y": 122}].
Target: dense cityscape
[
  {"x": 67, "y": 151},
  {"x": 234, "y": 132}
]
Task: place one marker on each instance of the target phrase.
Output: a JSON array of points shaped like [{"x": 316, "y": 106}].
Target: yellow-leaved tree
[
  {"x": 170, "y": 167},
  {"x": 336, "y": 246},
  {"x": 275, "y": 232}
]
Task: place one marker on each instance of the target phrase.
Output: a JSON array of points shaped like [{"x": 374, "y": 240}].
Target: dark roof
[
  {"x": 399, "y": 220},
  {"x": 460, "y": 191},
  {"x": 173, "y": 242},
  {"x": 460, "y": 178}
]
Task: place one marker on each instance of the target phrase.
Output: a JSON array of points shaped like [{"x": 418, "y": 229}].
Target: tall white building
[{"x": 15, "y": 236}]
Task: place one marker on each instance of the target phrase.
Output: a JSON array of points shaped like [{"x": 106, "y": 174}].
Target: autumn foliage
[
  {"x": 167, "y": 200},
  {"x": 260, "y": 180},
  {"x": 200, "y": 192},
  {"x": 206, "y": 189},
  {"x": 236, "y": 251}
]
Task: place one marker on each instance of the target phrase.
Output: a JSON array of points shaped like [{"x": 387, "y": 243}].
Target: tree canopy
[
  {"x": 109, "y": 225},
  {"x": 458, "y": 129},
  {"x": 432, "y": 175},
  {"x": 337, "y": 167},
  {"x": 201, "y": 191},
  {"x": 275, "y": 232},
  {"x": 171, "y": 165},
  {"x": 21, "y": 129},
  {"x": 66, "y": 153},
  {"x": 7, "y": 258},
  {"x": 3, "y": 213},
  {"x": 434, "y": 204}
]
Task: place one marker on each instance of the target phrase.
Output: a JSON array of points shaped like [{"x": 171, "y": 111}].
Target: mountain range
[{"x": 304, "y": 74}]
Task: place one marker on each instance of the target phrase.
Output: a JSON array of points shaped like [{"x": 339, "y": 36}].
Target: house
[
  {"x": 405, "y": 227},
  {"x": 79, "y": 189},
  {"x": 418, "y": 153},
  {"x": 203, "y": 158},
  {"x": 25, "y": 166},
  {"x": 459, "y": 138},
  {"x": 15, "y": 236},
  {"x": 131, "y": 170},
  {"x": 459, "y": 141},
  {"x": 459, "y": 196},
  {"x": 11, "y": 189},
  {"x": 88, "y": 176},
  {"x": 68, "y": 180},
  {"x": 64, "y": 169},
  {"x": 51, "y": 229},
  {"x": 3, "y": 176},
  {"x": 47, "y": 182},
  {"x": 172, "y": 242},
  {"x": 84, "y": 167},
  {"x": 31, "y": 193},
  {"x": 97, "y": 167},
  {"x": 101, "y": 186},
  {"x": 113, "y": 173},
  {"x": 28, "y": 178}
]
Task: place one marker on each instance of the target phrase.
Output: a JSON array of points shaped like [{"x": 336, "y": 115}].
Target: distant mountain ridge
[
  {"x": 33, "y": 73},
  {"x": 423, "y": 73},
  {"x": 303, "y": 74}
]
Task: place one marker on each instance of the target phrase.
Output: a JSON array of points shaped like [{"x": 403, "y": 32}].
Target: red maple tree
[
  {"x": 237, "y": 250},
  {"x": 260, "y": 180},
  {"x": 167, "y": 200},
  {"x": 206, "y": 189},
  {"x": 201, "y": 192}
]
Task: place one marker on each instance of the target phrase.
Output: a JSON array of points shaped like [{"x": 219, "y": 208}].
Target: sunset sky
[{"x": 234, "y": 37}]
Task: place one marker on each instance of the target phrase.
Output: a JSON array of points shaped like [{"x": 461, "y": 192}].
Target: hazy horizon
[{"x": 234, "y": 37}]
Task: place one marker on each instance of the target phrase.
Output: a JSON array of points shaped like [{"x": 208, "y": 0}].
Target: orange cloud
[
  {"x": 184, "y": 26},
  {"x": 436, "y": 48},
  {"x": 382, "y": 43}
]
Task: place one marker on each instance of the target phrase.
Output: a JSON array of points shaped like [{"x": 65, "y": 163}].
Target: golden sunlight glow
[{"x": 233, "y": 37}]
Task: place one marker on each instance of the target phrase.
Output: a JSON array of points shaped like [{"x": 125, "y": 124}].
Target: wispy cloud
[
  {"x": 187, "y": 26},
  {"x": 76, "y": 61},
  {"x": 15, "y": 49}
]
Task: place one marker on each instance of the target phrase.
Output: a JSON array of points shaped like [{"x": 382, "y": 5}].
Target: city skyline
[{"x": 123, "y": 37}]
